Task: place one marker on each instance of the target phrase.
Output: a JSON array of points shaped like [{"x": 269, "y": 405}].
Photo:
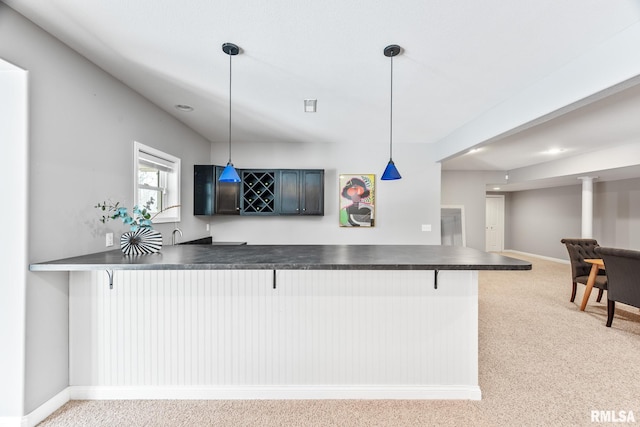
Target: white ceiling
[{"x": 460, "y": 59}]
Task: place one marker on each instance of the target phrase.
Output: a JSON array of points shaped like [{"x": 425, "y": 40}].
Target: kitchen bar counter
[
  {"x": 343, "y": 322},
  {"x": 292, "y": 257}
]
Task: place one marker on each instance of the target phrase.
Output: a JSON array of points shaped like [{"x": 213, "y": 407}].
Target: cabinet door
[
  {"x": 203, "y": 190},
  {"x": 227, "y": 195},
  {"x": 312, "y": 192},
  {"x": 289, "y": 192}
]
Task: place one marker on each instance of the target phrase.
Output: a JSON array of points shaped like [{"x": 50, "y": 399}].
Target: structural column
[{"x": 587, "y": 206}]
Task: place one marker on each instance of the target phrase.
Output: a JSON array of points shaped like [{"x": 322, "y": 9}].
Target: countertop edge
[{"x": 292, "y": 257}]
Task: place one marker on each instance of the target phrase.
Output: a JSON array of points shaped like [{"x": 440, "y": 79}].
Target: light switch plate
[
  {"x": 109, "y": 239},
  {"x": 426, "y": 227}
]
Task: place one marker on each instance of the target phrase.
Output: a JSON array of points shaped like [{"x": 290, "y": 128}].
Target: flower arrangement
[{"x": 141, "y": 217}]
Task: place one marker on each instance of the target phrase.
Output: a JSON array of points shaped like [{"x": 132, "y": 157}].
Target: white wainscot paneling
[{"x": 319, "y": 334}]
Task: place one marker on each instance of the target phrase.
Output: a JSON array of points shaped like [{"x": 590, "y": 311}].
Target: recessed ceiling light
[
  {"x": 474, "y": 150},
  {"x": 496, "y": 188},
  {"x": 554, "y": 151},
  {"x": 184, "y": 108}
]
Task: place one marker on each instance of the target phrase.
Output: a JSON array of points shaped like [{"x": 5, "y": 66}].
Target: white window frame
[{"x": 169, "y": 162}]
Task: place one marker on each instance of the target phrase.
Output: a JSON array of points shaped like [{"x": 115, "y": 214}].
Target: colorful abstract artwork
[{"x": 357, "y": 200}]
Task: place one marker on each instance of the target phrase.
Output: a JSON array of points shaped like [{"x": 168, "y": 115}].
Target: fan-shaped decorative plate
[{"x": 143, "y": 241}]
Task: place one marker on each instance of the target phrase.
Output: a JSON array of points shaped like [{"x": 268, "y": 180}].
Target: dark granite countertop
[{"x": 292, "y": 257}]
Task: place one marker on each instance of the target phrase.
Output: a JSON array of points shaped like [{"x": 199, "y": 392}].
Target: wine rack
[{"x": 258, "y": 192}]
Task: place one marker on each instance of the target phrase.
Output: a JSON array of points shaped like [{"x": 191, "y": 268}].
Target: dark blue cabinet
[
  {"x": 211, "y": 196},
  {"x": 261, "y": 192},
  {"x": 301, "y": 192}
]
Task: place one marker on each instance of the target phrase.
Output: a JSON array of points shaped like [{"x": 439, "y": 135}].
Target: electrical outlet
[{"x": 109, "y": 239}]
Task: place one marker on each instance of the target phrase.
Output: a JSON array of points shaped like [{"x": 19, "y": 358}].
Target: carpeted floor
[{"x": 542, "y": 363}]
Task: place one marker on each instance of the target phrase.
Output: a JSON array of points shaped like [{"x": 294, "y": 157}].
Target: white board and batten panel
[{"x": 318, "y": 334}]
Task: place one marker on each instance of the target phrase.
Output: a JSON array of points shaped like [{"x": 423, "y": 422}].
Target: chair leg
[
  {"x": 611, "y": 307},
  {"x": 573, "y": 291},
  {"x": 600, "y": 295}
]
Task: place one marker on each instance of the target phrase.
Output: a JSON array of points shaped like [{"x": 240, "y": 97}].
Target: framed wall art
[{"x": 357, "y": 200}]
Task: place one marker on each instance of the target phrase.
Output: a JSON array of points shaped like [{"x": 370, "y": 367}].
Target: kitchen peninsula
[{"x": 277, "y": 321}]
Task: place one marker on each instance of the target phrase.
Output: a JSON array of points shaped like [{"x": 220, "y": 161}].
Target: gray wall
[
  {"x": 82, "y": 124},
  {"x": 538, "y": 219},
  {"x": 616, "y": 213},
  {"x": 468, "y": 188},
  {"x": 401, "y": 206}
]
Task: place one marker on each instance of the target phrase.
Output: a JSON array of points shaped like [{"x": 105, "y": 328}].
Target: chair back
[
  {"x": 623, "y": 274},
  {"x": 579, "y": 250}
]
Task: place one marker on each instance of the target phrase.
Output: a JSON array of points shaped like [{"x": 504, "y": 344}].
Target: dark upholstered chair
[
  {"x": 623, "y": 273},
  {"x": 579, "y": 250}
]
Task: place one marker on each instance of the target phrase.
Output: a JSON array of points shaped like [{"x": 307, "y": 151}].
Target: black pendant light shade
[
  {"x": 391, "y": 172},
  {"x": 229, "y": 174}
]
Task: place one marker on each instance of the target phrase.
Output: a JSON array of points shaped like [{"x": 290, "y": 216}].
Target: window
[{"x": 157, "y": 182}]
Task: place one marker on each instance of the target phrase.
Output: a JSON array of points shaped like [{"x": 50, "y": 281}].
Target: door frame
[{"x": 501, "y": 221}]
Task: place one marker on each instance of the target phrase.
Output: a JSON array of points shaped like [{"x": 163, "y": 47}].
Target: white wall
[
  {"x": 82, "y": 124},
  {"x": 13, "y": 251},
  {"x": 402, "y": 206}
]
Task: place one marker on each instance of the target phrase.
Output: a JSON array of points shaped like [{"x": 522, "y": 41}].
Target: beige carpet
[{"x": 542, "y": 363}]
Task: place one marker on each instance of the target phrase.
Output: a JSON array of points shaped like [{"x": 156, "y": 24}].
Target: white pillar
[{"x": 587, "y": 206}]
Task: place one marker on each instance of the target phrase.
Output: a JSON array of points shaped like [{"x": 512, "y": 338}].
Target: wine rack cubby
[{"x": 258, "y": 192}]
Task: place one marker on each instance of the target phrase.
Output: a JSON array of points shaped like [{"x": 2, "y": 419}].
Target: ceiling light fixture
[
  {"x": 229, "y": 173},
  {"x": 391, "y": 172},
  {"x": 554, "y": 151},
  {"x": 184, "y": 108}
]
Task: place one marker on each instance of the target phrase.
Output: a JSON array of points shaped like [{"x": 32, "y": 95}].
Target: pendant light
[
  {"x": 229, "y": 173},
  {"x": 391, "y": 172}
]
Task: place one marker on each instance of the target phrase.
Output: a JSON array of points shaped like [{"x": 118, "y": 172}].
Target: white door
[{"x": 494, "y": 223}]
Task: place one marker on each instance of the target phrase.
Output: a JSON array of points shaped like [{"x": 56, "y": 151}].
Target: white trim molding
[
  {"x": 317, "y": 392},
  {"x": 40, "y": 413},
  {"x": 561, "y": 261}
]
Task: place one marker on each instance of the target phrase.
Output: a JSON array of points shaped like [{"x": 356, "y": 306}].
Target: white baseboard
[
  {"x": 435, "y": 392},
  {"x": 562, "y": 261},
  {"x": 13, "y": 422},
  {"x": 276, "y": 392},
  {"x": 38, "y": 414},
  {"x": 47, "y": 408}
]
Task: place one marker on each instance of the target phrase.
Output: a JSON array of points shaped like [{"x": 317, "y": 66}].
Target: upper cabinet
[
  {"x": 261, "y": 192},
  {"x": 211, "y": 196},
  {"x": 204, "y": 189},
  {"x": 227, "y": 195},
  {"x": 301, "y": 192}
]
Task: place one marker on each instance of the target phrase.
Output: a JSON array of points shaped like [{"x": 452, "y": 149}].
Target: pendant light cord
[
  {"x": 230, "y": 56},
  {"x": 391, "y": 116}
]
